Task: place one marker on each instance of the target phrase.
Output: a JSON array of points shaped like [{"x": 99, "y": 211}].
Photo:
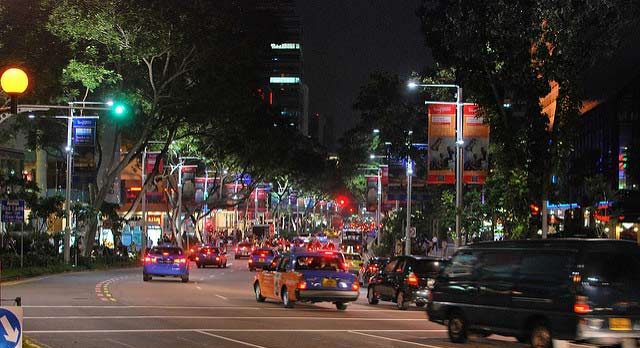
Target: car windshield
[
  {"x": 427, "y": 266},
  {"x": 166, "y": 250},
  {"x": 355, "y": 257},
  {"x": 318, "y": 262}
]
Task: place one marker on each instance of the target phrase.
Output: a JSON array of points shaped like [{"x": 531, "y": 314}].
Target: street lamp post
[
  {"x": 459, "y": 142},
  {"x": 407, "y": 236}
]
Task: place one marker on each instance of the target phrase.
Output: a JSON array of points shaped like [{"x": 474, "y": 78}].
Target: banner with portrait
[
  {"x": 476, "y": 146},
  {"x": 442, "y": 144}
]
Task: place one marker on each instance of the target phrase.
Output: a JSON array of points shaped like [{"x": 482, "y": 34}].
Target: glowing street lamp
[{"x": 14, "y": 81}]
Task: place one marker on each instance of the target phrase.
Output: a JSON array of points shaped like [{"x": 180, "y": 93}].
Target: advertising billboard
[
  {"x": 442, "y": 144},
  {"x": 476, "y": 146}
]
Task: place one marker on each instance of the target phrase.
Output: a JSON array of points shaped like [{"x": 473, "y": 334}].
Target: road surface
[{"x": 215, "y": 309}]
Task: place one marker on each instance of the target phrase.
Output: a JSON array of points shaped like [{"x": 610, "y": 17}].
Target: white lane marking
[
  {"x": 190, "y": 341},
  {"x": 215, "y": 330},
  {"x": 18, "y": 282},
  {"x": 396, "y": 340},
  {"x": 222, "y": 297},
  {"x": 231, "y": 340},
  {"x": 214, "y": 317},
  {"x": 120, "y": 343},
  {"x": 319, "y": 309}
]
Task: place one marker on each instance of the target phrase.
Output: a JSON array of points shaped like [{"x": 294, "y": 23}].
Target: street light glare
[
  {"x": 412, "y": 85},
  {"x": 14, "y": 81},
  {"x": 372, "y": 156},
  {"x": 376, "y": 131}
]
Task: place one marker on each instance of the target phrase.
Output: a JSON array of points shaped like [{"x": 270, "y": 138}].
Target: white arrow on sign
[{"x": 12, "y": 333}]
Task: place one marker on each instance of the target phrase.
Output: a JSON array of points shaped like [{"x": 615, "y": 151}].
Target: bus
[{"x": 351, "y": 241}]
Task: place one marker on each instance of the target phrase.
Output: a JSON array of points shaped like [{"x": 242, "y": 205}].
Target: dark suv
[
  {"x": 566, "y": 289},
  {"x": 405, "y": 279}
]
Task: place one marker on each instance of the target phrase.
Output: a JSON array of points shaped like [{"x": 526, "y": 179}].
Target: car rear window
[
  {"x": 317, "y": 262},
  {"x": 213, "y": 250},
  {"x": 264, "y": 252},
  {"x": 426, "y": 266},
  {"x": 167, "y": 250}
]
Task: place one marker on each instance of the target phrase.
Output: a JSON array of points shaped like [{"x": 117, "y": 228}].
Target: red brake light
[
  {"x": 197, "y": 258},
  {"x": 302, "y": 285},
  {"x": 217, "y": 258},
  {"x": 263, "y": 254},
  {"x": 412, "y": 279},
  {"x": 208, "y": 252},
  {"x": 149, "y": 259},
  {"x": 581, "y": 306},
  {"x": 355, "y": 286},
  {"x": 165, "y": 254},
  {"x": 250, "y": 261},
  {"x": 181, "y": 260},
  {"x": 328, "y": 252}
]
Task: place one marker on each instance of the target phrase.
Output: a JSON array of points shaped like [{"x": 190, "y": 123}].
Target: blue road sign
[
  {"x": 10, "y": 327},
  {"x": 12, "y": 210}
]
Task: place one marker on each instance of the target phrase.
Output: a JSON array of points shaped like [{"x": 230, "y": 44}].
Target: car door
[
  {"x": 267, "y": 284},
  {"x": 496, "y": 281},
  {"x": 278, "y": 278},
  {"x": 387, "y": 277},
  {"x": 456, "y": 285}
]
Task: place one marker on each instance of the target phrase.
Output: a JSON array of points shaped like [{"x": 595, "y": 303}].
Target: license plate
[
  {"x": 329, "y": 283},
  {"x": 620, "y": 324},
  {"x": 261, "y": 259}
]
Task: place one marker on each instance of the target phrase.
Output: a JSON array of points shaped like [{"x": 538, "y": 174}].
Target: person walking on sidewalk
[{"x": 434, "y": 240}]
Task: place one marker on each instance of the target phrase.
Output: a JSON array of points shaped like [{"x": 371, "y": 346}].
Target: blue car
[
  {"x": 260, "y": 258},
  {"x": 166, "y": 261}
]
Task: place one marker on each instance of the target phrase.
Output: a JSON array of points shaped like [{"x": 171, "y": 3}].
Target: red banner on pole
[
  {"x": 476, "y": 146},
  {"x": 442, "y": 144}
]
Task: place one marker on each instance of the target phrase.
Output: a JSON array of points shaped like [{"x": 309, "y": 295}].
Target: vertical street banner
[
  {"x": 442, "y": 144},
  {"x": 476, "y": 146}
]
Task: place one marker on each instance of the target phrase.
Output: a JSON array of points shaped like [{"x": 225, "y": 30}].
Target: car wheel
[
  {"x": 285, "y": 299},
  {"x": 185, "y": 279},
  {"x": 371, "y": 296},
  {"x": 258, "y": 292},
  {"x": 341, "y": 306},
  {"x": 540, "y": 336},
  {"x": 400, "y": 302},
  {"x": 146, "y": 277},
  {"x": 420, "y": 304},
  {"x": 457, "y": 327}
]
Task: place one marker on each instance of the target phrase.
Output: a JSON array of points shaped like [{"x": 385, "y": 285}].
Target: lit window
[
  {"x": 286, "y": 46},
  {"x": 284, "y": 80}
]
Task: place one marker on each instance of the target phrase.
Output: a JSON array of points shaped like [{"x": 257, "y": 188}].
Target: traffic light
[
  {"x": 342, "y": 201},
  {"x": 535, "y": 209},
  {"x": 118, "y": 109}
]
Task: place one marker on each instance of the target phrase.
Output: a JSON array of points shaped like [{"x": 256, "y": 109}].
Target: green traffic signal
[{"x": 119, "y": 109}]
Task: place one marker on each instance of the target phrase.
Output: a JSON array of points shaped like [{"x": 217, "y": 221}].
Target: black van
[
  {"x": 404, "y": 279},
  {"x": 565, "y": 289}
]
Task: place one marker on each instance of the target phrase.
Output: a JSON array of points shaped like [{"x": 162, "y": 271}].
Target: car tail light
[
  {"x": 355, "y": 286},
  {"x": 253, "y": 249},
  {"x": 208, "y": 252},
  {"x": 217, "y": 258},
  {"x": 302, "y": 285},
  {"x": 250, "y": 261},
  {"x": 581, "y": 306},
  {"x": 197, "y": 258},
  {"x": 236, "y": 249},
  {"x": 181, "y": 260},
  {"x": 373, "y": 268},
  {"x": 412, "y": 280},
  {"x": 165, "y": 254},
  {"x": 149, "y": 259},
  {"x": 191, "y": 250}
]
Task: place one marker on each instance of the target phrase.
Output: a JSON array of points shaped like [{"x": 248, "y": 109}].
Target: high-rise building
[{"x": 284, "y": 86}]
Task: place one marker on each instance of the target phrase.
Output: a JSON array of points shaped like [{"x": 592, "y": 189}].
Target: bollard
[{"x": 18, "y": 301}]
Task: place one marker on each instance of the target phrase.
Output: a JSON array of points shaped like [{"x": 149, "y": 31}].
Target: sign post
[{"x": 13, "y": 211}]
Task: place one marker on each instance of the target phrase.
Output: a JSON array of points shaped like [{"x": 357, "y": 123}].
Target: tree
[{"x": 508, "y": 55}]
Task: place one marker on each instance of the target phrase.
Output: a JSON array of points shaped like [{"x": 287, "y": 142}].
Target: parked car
[
  {"x": 211, "y": 256},
  {"x": 166, "y": 261},
  {"x": 539, "y": 290},
  {"x": 405, "y": 279},
  {"x": 372, "y": 267}
]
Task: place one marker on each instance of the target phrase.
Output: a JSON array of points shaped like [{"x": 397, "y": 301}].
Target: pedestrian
[
  {"x": 434, "y": 240},
  {"x": 444, "y": 247}
]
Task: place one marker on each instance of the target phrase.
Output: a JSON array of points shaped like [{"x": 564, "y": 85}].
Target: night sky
[{"x": 345, "y": 41}]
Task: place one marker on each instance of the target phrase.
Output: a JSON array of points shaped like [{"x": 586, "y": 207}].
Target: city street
[{"x": 215, "y": 309}]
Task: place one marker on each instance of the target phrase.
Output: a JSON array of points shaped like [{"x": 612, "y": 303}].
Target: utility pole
[
  {"x": 459, "y": 162},
  {"x": 407, "y": 236}
]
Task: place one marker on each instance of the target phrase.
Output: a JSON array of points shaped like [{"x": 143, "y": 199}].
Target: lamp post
[
  {"x": 407, "y": 235},
  {"x": 459, "y": 143},
  {"x": 14, "y": 82}
]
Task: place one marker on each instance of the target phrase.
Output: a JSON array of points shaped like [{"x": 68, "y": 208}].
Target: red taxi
[{"x": 307, "y": 277}]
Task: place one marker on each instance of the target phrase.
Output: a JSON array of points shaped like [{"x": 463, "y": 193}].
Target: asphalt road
[{"x": 215, "y": 309}]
